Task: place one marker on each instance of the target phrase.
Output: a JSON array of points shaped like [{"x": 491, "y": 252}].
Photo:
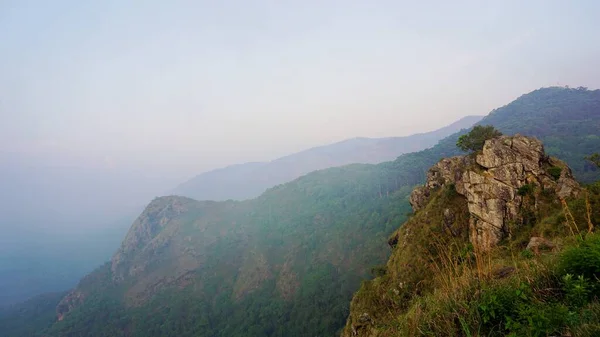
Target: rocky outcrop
[
  {"x": 68, "y": 303},
  {"x": 144, "y": 230},
  {"x": 446, "y": 171},
  {"x": 496, "y": 181}
]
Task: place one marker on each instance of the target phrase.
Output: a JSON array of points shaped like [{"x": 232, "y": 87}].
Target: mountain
[
  {"x": 480, "y": 254},
  {"x": 287, "y": 262},
  {"x": 245, "y": 181},
  {"x": 51, "y": 209},
  {"x": 88, "y": 210}
]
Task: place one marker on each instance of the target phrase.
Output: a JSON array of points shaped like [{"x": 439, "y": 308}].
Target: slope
[
  {"x": 287, "y": 262},
  {"x": 245, "y": 181},
  {"x": 481, "y": 255}
]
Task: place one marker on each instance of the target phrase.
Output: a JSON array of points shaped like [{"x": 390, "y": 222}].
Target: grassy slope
[{"x": 434, "y": 284}]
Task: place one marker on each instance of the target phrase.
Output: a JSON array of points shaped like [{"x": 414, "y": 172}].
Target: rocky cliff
[
  {"x": 144, "y": 232},
  {"x": 147, "y": 242},
  {"x": 496, "y": 182},
  {"x": 468, "y": 203}
]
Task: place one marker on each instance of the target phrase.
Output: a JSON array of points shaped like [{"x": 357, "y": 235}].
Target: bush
[
  {"x": 583, "y": 259},
  {"x": 527, "y": 254},
  {"x": 594, "y": 159},
  {"x": 506, "y": 311},
  {"x": 577, "y": 290},
  {"x": 538, "y": 319},
  {"x": 379, "y": 270},
  {"x": 500, "y": 307},
  {"x": 526, "y": 189},
  {"x": 475, "y": 139},
  {"x": 555, "y": 172}
]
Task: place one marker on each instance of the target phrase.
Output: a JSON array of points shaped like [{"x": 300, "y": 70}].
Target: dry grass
[{"x": 450, "y": 278}]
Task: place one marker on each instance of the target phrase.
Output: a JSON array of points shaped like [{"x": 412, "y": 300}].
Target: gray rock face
[
  {"x": 491, "y": 184},
  {"x": 144, "y": 231},
  {"x": 447, "y": 170}
]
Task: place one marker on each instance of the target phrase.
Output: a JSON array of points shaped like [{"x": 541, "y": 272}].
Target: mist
[
  {"x": 183, "y": 87},
  {"x": 105, "y": 105}
]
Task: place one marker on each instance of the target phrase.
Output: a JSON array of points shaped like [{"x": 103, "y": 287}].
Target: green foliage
[
  {"x": 450, "y": 191},
  {"x": 577, "y": 290},
  {"x": 529, "y": 311},
  {"x": 467, "y": 253},
  {"x": 565, "y": 120},
  {"x": 29, "y": 317},
  {"x": 594, "y": 159},
  {"x": 582, "y": 259},
  {"x": 554, "y": 172},
  {"x": 536, "y": 319},
  {"x": 500, "y": 302},
  {"x": 475, "y": 139},
  {"x": 526, "y": 189},
  {"x": 527, "y": 254},
  {"x": 379, "y": 270}
]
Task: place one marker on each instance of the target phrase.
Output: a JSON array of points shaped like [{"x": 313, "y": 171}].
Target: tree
[
  {"x": 594, "y": 158},
  {"x": 474, "y": 140}
]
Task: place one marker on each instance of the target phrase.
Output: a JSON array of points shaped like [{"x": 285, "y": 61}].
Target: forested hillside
[
  {"x": 286, "y": 263},
  {"x": 566, "y": 120}
]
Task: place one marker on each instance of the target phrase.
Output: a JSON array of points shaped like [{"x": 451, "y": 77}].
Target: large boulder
[{"x": 493, "y": 184}]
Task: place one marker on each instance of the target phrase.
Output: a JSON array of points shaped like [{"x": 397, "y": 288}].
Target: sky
[{"x": 175, "y": 88}]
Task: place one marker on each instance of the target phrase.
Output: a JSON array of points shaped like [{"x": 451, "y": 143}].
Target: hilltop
[{"x": 494, "y": 247}]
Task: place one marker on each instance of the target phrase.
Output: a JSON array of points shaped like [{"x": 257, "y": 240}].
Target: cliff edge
[{"x": 473, "y": 213}]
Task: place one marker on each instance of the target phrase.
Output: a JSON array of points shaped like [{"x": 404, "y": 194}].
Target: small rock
[
  {"x": 364, "y": 318},
  {"x": 503, "y": 272},
  {"x": 419, "y": 197},
  {"x": 536, "y": 243}
]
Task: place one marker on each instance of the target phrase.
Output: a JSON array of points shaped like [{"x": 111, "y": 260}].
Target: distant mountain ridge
[{"x": 249, "y": 180}]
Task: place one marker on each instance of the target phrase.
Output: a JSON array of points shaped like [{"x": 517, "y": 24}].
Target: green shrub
[
  {"x": 475, "y": 139},
  {"x": 538, "y": 319},
  {"x": 577, "y": 290},
  {"x": 555, "y": 172},
  {"x": 594, "y": 159},
  {"x": 379, "y": 270},
  {"x": 582, "y": 259},
  {"x": 499, "y": 303},
  {"x": 506, "y": 311},
  {"x": 450, "y": 191},
  {"x": 526, "y": 189},
  {"x": 527, "y": 254},
  {"x": 466, "y": 253}
]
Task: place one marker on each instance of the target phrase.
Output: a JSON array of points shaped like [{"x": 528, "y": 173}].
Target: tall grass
[{"x": 469, "y": 299}]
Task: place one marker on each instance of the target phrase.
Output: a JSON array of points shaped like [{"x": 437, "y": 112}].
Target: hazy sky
[{"x": 185, "y": 86}]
